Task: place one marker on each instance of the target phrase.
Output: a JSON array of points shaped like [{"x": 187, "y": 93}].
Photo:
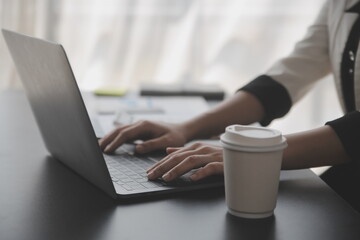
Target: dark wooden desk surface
[{"x": 42, "y": 199}]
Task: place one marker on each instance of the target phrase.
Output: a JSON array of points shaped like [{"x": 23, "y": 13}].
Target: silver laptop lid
[{"x": 58, "y": 107}]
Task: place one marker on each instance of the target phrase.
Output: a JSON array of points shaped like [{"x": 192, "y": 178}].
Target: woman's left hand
[{"x": 208, "y": 158}]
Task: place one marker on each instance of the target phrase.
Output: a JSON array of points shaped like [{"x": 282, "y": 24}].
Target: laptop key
[
  {"x": 130, "y": 172},
  {"x": 128, "y": 188},
  {"x": 126, "y": 180},
  {"x": 141, "y": 180},
  {"x": 149, "y": 185}
]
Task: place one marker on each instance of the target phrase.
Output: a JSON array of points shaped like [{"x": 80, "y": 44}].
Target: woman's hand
[
  {"x": 181, "y": 160},
  {"x": 155, "y": 135}
]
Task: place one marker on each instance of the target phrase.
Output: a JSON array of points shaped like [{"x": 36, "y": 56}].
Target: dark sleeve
[
  {"x": 273, "y": 96},
  {"x": 348, "y": 130}
]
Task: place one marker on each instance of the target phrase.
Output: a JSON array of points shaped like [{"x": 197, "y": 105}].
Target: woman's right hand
[
  {"x": 155, "y": 136},
  {"x": 207, "y": 159}
]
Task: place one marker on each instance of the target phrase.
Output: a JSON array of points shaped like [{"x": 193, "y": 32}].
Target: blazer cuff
[
  {"x": 347, "y": 129},
  {"x": 273, "y": 96}
]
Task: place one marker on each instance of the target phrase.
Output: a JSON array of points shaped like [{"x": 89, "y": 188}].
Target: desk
[{"x": 42, "y": 199}]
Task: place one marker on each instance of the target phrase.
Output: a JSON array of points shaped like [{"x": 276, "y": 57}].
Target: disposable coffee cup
[{"x": 252, "y": 163}]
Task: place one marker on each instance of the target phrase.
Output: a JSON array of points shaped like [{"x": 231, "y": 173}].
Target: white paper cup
[{"x": 252, "y": 163}]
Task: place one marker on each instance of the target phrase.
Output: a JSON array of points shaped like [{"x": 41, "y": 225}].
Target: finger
[
  {"x": 196, "y": 145},
  {"x": 153, "y": 144},
  {"x": 194, "y": 149},
  {"x": 198, "y": 158},
  {"x": 168, "y": 163},
  {"x": 191, "y": 162},
  {"x": 161, "y": 169},
  {"x": 172, "y": 149},
  {"x": 129, "y": 133},
  {"x": 210, "y": 169},
  {"x": 103, "y": 142},
  {"x": 161, "y": 161},
  {"x": 181, "y": 153},
  {"x": 156, "y": 164}
]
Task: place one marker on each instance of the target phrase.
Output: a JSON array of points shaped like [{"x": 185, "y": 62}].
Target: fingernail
[
  {"x": 194, "y": 177},
  {"x": 166, "y": 177},
  {"x": 151, "y": 175},
  {"x": 107, "y": 149}
]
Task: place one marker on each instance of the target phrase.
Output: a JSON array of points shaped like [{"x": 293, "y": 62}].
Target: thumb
[{"x": 159, "y": 143}]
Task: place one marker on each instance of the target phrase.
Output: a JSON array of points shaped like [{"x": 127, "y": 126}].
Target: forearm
[
  {"x": 314, "y": 148},
  {"x": 242, "y": 108}
]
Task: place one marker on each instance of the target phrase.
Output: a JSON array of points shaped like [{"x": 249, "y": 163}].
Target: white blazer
[{"x": 320, "y": 53}]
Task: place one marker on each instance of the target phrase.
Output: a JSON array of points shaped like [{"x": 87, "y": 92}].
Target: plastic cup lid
[{"x": 253, "y": 137}]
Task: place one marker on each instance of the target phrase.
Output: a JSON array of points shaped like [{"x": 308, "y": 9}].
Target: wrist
[
  {"x": 201, "y": 127},
  {"x": 189, "y": 129}
]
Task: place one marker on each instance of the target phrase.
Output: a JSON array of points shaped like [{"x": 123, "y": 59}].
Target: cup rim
[{"x": 277, "y": 147}]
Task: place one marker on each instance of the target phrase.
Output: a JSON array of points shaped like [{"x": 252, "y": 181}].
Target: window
[{"x": 127, "y": 42}]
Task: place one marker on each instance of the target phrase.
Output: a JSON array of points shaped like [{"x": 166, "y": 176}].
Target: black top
[
  {"x": 277, "y": 102},
  {"x": 273, "y": 96},
  {"x": 348, "y": 62}
]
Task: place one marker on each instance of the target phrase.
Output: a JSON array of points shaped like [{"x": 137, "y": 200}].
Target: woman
[{"x": 330, "y": 46}]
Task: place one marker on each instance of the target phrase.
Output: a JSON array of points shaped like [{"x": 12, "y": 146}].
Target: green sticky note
[{"x": 110, "y": 91}]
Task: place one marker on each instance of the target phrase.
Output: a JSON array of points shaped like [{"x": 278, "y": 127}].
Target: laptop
[{"x": 67, "y": 131}]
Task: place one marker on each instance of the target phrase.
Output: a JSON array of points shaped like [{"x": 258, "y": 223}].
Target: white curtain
[{"x": 127, "y": 42}]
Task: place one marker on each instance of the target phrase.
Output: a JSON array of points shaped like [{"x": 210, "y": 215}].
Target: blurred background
[{"x": 128, "y": 42}]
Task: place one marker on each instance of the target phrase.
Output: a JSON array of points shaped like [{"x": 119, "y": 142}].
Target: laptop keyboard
[{"x": 129, "y": 171}]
